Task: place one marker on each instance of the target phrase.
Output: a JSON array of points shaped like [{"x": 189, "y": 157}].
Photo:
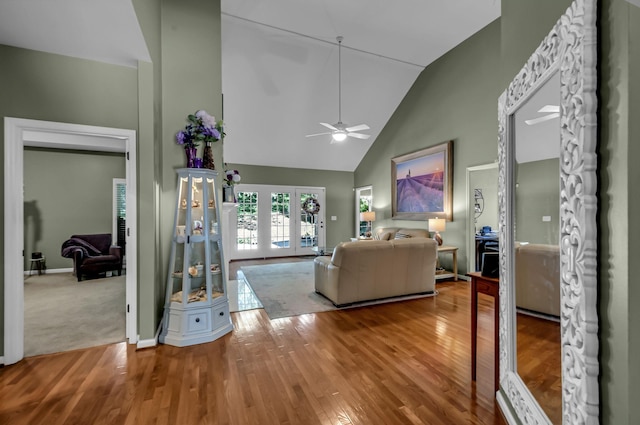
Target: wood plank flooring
[{"x": 397, "y": 363}]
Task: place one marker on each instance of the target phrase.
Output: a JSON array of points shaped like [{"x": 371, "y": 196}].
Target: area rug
[
  {"x": 62, "y": 314},
  {"x": 287, "y": 289}
]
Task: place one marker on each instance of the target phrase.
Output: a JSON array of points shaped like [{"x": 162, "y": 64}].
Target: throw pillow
[{"x": 401, "y": 236}]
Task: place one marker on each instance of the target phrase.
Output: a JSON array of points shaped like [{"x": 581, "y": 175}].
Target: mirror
[
  {"x": 547, "y": 197},
  {"x": 536, "y": 255}
]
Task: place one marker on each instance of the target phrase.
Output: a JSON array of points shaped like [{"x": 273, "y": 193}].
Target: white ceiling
[{"x": 279, "y": 62}]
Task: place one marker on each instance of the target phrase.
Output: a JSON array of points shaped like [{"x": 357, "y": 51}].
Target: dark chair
[{"x": 93, "y": 254}]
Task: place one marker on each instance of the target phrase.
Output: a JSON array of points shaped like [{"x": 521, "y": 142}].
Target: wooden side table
[
  {"x": 489, "y": 286},
  {"x": 445, "y": 274}
]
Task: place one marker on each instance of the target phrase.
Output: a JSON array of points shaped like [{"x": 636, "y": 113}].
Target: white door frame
[
  {"x": 359, "y": 190},
  {"x": 264, "y": 202},
  {"x": 471, "y": 228},
  {"x": 19, "y": 133}
]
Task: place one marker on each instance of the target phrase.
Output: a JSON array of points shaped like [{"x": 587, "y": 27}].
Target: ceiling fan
[
  {"x": 340, "y": 131},
  {"x": 553, "y": 111}
]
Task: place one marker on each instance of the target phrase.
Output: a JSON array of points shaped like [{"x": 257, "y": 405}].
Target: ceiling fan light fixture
[
  {"x": 340, "y": 131},
  {"x": 339, "y": 136}
]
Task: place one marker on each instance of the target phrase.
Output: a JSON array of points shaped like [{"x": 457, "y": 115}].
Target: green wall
[
  {"x": 619, "y": 207},
  {"x": 339, "y": 193},
  {"x": 65, "y": 193},
  {"x": 455, "y": 98},
  {"x": 51, "y": 87},
  {"x": 537, "y": 195},
  {"x": 191, "y": 80},
  {"x": 487, "y": 181},
  {"x": 634, "y": 208}
]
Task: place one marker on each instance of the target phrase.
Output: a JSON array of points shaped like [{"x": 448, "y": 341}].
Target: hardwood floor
[{"x": 397, "y": 363}]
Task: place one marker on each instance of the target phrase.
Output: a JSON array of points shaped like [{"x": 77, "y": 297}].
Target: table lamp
[
  {"x": 437, "y": 225},
  {"x": 368, "y": 216}
]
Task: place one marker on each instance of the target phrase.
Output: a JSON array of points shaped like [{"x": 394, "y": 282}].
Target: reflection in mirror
[{"x": 536, "y": 248}]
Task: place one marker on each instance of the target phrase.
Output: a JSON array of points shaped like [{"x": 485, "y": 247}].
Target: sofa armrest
[
  {"x": 326, "y": 277},
  {"x": 115, "y": 250}
]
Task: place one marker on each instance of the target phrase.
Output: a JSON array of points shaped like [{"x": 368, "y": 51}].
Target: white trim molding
[{"x": 19, "y": 133}]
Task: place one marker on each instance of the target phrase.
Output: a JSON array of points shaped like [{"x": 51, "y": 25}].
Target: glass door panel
[
  {"x": 280, "y": 221},
  {"x": 247, "y": 221},
  {"x": 310, "y": 229},
  {"x": 270, "y": 221}
]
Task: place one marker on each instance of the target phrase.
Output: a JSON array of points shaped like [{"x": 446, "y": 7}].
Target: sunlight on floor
[{"x": 241, "y": 296}]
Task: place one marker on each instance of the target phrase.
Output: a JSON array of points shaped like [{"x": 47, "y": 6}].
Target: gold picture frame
[{"x": 422, "y": 184}]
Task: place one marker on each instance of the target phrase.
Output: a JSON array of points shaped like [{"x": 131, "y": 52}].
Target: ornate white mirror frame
[{"x": 570, "y": 49}]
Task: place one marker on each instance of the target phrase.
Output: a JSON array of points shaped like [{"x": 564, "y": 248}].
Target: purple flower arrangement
[
  {"x": 231, "y": 177},
  {"x": 201, "y": 127}
]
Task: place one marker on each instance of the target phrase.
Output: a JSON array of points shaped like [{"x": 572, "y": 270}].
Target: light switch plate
[
  {"x": 334, "y": 217},
  {"x": 546, "y": 218}
]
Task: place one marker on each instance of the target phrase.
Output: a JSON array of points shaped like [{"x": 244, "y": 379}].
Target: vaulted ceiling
[{"x": 279, "y": 62}]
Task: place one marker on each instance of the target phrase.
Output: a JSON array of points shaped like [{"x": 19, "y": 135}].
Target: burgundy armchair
[{"x": 92, "y": 254}]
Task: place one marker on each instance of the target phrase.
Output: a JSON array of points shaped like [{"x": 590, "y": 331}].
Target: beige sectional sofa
[
  {"x": 377, "y": 269},
  {"x": 538, "y": 278}
]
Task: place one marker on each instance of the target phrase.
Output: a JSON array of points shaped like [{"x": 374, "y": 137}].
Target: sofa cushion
[{"x": 389, "y": 233}]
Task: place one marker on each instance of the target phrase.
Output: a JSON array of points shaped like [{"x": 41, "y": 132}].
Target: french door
[{"x": 270, "y": 221}]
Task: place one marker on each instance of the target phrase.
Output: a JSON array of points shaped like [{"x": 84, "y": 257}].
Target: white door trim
[
  {"x": 19, "y": 133},
  {"x": 359, "y": 190},
  {"x": 471, "y": 230}
]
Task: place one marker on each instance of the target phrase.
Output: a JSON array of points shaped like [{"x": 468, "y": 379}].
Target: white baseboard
[
  {"x": 148, "y": 343},
  {"x": 51, "y": 271}
]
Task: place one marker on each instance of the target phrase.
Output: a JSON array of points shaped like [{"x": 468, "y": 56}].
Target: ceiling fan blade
[
  {"x": 358, "y": 128},
  {"x": 317, "y": 134},
  {"x": 359, "y": 135},
  {"x": 542, "y": 119},
  {"x": 550, "y": 108},
  {"x": 329, "y": 126}
]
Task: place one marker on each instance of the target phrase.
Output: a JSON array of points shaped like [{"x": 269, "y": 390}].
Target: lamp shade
[
  {"x": 368, "y": 216},
  {"x": 437, "y": 224}
]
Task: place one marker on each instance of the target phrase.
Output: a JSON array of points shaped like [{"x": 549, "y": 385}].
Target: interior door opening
[
  {"x": 276, "y": 221},
  {"x": 44, "y": 134}
]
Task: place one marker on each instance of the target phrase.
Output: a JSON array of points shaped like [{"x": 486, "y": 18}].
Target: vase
[
  {"x": 228, "y": 194},
  {"x": 191, "y": 152},
  {"x": 207, "y": 157}
]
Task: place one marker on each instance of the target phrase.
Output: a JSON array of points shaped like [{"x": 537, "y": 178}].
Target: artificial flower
[{"x": 201, "y": 127}]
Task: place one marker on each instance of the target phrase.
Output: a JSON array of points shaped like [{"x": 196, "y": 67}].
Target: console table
[
  {"x": 489, "y": 286},
  {"x": 445, "y": 274}
]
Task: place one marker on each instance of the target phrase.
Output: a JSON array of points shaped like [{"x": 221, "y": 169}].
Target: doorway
[
  {"x": 482, "y": 212},
  {"x": 18, "y": 134},
  {"x": 276, "y": 221},
  {"x": 364, "y": 203}
]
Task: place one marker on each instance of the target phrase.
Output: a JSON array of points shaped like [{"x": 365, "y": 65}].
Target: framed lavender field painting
[{"x": 422, "y": 184}]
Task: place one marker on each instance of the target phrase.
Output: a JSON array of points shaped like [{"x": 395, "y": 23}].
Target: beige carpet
[
  {"x": 287, "y": 289},
  {"x": 62, "y": 314}
]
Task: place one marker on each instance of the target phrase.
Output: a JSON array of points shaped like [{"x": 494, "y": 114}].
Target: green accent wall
[
  {"x": 454, "y": 98},
  {"x": 537, "y": 195},
  {"x": 191, "y": 80},
  {"x": 634, "y": 210},
  {"x": 66, "y": 193},
  {"x": 619, "y": 207},
  {"x": 339, "y": 194},
  {"x": 50, "y": 87}
]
